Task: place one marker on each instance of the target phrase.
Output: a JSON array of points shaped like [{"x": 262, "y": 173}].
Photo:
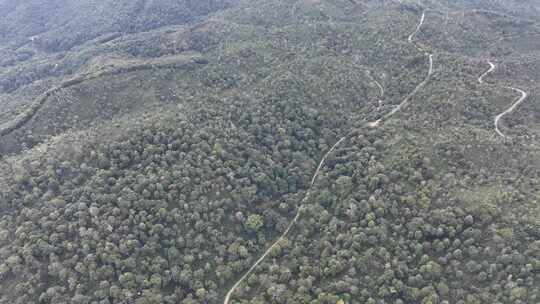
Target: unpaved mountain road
[
  {"x": 408, "y": 98},
  {"x": 514, "y": 105},
  {"x": 422, "y": 19},
  {"x": 186, "y": 62},
  {"x": 381, "y": 89},
  {"x": 524, "y": 96},
  {"x": 289, "y": 227},
  {"x": 381, "y": 93},
  {"x": 323, "y": 160},
  {"x": 491, "y": 68},
  {"x": 418, "y": 87}
]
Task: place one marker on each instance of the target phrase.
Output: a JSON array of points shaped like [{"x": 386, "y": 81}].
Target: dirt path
[
  {"x": 381, "y": 89},
  {"x": 180, "y": 62},
  {"x": 289, "y": 227},
  {"x": 510, "y": 110},
  {"x": 422, "y": 19},
  {"x": 497, "y": 119},
  {"x": 418, "y": 87},
  {"x": 381, "y": 93},
  {"x": 491, "y": 68},
  {"x": 408, "y": 98},
  {"x": 321, "y": 163}
]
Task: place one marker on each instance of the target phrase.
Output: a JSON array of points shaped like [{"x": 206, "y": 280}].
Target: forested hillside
[{"x": 310, "y": 151}]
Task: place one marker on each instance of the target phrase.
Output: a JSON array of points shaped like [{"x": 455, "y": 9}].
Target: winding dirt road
[
  {"x": 408, "y": 98},
  {"x": 510, "y": 110},
  {"x": 381, "y": 89},
  {"x": 321, "y": 163},
  {"x": 422, "y": 19},
  {"x": 418, "y": 87},
  {"x": 497, "y": 119},
  {"x": 381, "y": 93},
  {"x": 179, "y": 62},
  {"x": 491, "y": 69},
  {"x": 291, "y": 224}
]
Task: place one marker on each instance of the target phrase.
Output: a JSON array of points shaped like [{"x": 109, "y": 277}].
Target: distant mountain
[{"x": 59, "y": 25}]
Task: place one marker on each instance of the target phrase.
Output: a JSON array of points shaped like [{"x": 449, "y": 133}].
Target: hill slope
[{"x": 269, "y": 152}]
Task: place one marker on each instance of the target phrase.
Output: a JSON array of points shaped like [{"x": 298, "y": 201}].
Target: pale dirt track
[
  {"x": 289, "y": 227},
  {"x": 491, "y": 68},
  {"x": 321, "y": 164},
  {"x": 510, "y": 110},
  {"x": 514, "y": 105}
]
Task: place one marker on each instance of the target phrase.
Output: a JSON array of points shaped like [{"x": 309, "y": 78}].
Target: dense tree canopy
[{"x": 177, "y": 140}]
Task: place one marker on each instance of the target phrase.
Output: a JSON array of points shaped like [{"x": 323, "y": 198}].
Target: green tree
[{"x": 254, "y": 222}]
